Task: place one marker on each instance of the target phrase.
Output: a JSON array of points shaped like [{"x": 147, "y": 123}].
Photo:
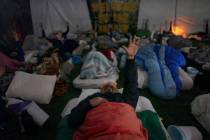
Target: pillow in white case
[{"x": 33, "y": 87}]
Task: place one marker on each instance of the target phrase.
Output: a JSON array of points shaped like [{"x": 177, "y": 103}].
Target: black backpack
[
  {"x": 15, "y": 126},
  {"x": 9, "y": 124}
]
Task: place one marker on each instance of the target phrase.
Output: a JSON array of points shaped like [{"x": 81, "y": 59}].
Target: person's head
[
  {"x": 58, "y": 35},
  {"x": 109, "y": 87},
  {"x": 105, "y": 42}
]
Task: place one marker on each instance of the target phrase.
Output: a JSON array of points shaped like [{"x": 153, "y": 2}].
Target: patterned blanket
[{"x": 96, "y": 66}]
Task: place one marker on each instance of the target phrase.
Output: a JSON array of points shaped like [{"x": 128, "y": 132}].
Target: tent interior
[{"x": 44, "y": 51}]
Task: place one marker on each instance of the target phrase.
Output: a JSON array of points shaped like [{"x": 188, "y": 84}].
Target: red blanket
[
  {"x": 107, "y": 53},
  {"x": 111, "y": 121}
]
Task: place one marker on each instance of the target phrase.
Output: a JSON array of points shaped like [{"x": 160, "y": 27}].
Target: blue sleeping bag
[
  {"x": 160, "y": 81},
  {"x": 174, "y": 59}
]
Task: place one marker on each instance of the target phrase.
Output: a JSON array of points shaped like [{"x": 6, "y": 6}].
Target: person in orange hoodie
[{"x": 109, "y": 115}]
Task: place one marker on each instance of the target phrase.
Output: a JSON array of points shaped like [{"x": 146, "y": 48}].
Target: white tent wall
[
  {"x": 56, "y": 14},
  {"x": 190, "y": 14},
  {"x": 157, "y": 11}
]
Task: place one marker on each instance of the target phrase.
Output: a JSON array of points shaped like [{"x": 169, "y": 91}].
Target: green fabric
[
  {"x": 150, "y": 121},
  {"x": 143, "y": 33},
  {"x": 64, "y": 132}
]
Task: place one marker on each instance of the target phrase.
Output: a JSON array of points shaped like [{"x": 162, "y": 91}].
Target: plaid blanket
[{"x": 96, "y": 66}]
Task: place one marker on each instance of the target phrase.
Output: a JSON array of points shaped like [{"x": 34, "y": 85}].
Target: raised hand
[{"x": 133, "y": 47}]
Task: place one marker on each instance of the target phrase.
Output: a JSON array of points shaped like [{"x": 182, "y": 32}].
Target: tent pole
[{"x": 175, "y": 14}]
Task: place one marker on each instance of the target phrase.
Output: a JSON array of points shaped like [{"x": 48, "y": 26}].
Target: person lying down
[
  {"x": 100, "y": 62},
  {"x": 109, "y": 115}
]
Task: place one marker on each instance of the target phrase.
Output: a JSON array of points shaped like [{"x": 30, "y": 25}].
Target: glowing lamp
[{"x": 179, "y": 31}]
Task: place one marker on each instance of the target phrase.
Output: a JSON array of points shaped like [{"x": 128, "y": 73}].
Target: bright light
[{"x": 179, "y": 31}]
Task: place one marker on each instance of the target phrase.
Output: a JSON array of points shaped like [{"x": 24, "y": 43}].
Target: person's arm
[
  {"x": 78, "y": 114},
  {"x": 66, "y": 32},
  {"x": 130, "y": 91}
]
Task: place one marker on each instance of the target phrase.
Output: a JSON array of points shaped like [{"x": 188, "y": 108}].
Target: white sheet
[
  {"x": 92, "y": 83},
  {"x": 56, "y": 14},
  {"x": 142, "y": 78},
  {"x": 69, "y": 106}
]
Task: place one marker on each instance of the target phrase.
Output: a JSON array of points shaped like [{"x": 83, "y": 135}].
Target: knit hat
[{"x": 105, "y": 42}]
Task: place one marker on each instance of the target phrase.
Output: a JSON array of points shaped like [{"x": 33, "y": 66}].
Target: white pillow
[
  {"x": 200, "y": 108},
  {"x": 33, "y": 87}
]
